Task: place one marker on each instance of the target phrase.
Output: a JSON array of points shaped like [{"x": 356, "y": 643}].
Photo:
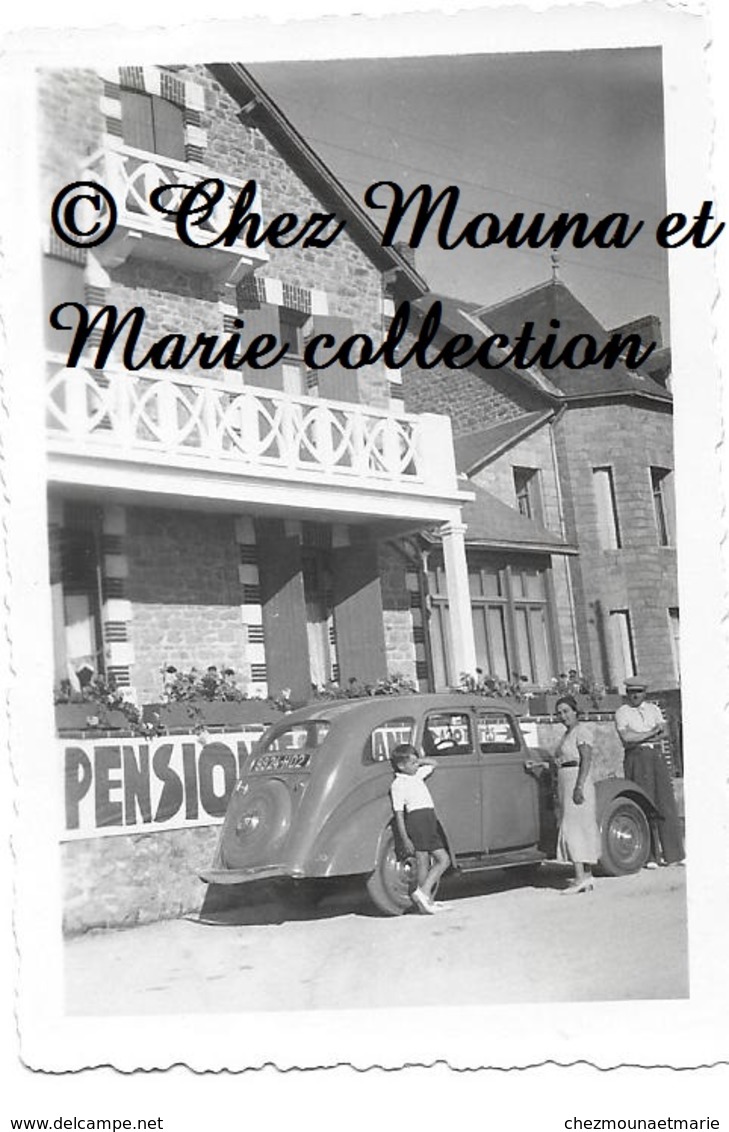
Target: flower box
[
  {"x": 89, "y": 716},
  {"x": 190, "y": 715}
]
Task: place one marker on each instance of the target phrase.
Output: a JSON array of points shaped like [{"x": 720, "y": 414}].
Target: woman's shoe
[{"x": 575, "y": 889}]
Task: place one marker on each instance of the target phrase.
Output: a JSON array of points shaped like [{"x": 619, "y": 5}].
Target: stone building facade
[
  {"x": 296, "y": 526},
  {"x": 588, "y": 455},
  {"x": 209, "y": 515}
]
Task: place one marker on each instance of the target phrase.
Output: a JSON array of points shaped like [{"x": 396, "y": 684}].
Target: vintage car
[{"x": 313, "y": 799}]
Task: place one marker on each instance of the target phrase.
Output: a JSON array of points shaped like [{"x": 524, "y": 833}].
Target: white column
[{"x": 463, "y": 647}]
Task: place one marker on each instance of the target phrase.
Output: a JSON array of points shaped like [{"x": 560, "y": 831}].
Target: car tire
[
  {"x": 626, "y": 838},
  {"x": 390, "y": 885}
]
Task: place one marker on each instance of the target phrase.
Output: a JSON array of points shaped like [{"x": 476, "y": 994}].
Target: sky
[{"x": 546, "y": 132}]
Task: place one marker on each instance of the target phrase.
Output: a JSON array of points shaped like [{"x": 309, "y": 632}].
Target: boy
[{"x": 417, "y": 824}]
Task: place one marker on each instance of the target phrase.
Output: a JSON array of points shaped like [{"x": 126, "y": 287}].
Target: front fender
[{"x": 610, "y": 788}]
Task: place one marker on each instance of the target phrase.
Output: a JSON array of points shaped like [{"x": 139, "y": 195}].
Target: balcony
[
  {"x": 132, "y": 175},
  {"x": 143, "y": 432}
]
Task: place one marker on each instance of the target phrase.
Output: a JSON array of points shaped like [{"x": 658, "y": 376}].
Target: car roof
[{"x": 379, "y": 707}]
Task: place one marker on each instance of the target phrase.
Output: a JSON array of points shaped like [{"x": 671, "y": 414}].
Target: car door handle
[{"x": 534, "y": 764}]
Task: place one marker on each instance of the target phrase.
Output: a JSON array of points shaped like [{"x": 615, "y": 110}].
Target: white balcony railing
[
  {"x": 132, "y": 175},
  {"x": 178, "y": 421}
]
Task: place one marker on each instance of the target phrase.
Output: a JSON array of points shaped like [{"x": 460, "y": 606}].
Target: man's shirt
[{"x": 639, "y": 719}]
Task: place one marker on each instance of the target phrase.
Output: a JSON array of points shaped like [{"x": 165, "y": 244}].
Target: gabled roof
[
  {"x": 494, "y": 525},
  {"x": 260, "y": 109},
  {"x": 553, "y": 300},
  {"x": 459, "y": 317},
  {"x": 479, "y": 448}
]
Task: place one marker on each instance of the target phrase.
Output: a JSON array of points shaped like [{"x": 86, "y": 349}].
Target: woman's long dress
[{"x": 579, "y": 836}]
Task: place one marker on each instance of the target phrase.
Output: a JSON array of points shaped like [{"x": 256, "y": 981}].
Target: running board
[{"x": 500, "y": 860}]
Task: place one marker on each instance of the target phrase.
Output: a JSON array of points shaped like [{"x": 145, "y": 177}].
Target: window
[
  {"x": 607, "y": 511},
  {"x": 292, "y": 325},
  {"x": 528, "y": 493},
  {"x": 291, "y": 748},
  {"x": 63, "y": 282},
  {"x": 662, "y": 491},
  {"x": 153, "y": 124},
  {"x": 530, "y": 624},
  {"x": 488, "y": 609},
  {"x": 78, "y": 639},
  {"x": 496, "y": 734},
  {"x": 675, "y": 630},
  {"x": 623, "y": 648},
  {"x": 447, "y": 733},
  {"x": 511, "y": 619},
  {"x": 318, "y": 598},
  {"x": 387, "y": 736}
]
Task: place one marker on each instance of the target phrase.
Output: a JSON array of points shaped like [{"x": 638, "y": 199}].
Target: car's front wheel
[
  {"x": 626, "y": 838},
  {"x": 393, "y": 879}
]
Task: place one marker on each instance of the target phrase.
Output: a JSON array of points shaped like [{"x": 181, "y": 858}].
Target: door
[
  {"x": 509, "y": 790},
  {"x": 455, "y": 784}
]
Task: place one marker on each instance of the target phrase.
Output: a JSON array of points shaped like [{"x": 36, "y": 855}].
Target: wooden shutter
[
  {"x": 263, "y": 320},
  {"x": 169, "y": 128},
  {"x": 358, "y": 618},
  {"x": 284, "y": 611},
  {"x": 153, "y": 124},
  {"x": 335, "y": 382},
  {"x": 137, "y": 126}
]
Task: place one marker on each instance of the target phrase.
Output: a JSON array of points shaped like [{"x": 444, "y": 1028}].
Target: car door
[
  {"x": 448, "y": 738},
  {"x": 509, "y": 791}
]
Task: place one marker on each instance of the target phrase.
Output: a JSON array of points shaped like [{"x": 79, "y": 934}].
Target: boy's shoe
[
  {"x": 421, "y": 902},
  {"x": 651, "y": 865}
]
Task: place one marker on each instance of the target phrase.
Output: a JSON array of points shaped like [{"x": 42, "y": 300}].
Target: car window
[
  {"x": 291, "y": 748},
  {"x": 447, "y": 733},
  {"x": 387, "y": 736},
  {"x": 496, "y": 733}
]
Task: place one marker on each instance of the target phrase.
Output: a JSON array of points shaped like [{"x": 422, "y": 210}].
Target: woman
[{"x": 579, "y": 837}]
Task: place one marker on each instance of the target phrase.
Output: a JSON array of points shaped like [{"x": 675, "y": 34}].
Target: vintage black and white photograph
[{"x": 362, "y": 532}]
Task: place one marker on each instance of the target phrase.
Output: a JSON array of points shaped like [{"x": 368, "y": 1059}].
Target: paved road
[{"x": 499, "y": 942}]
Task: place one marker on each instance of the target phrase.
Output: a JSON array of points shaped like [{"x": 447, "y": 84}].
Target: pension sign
[{"x": 136, "y": 786}]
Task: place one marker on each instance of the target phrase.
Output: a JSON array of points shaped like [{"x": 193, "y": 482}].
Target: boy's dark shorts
[{"x": 423, "y": 831}]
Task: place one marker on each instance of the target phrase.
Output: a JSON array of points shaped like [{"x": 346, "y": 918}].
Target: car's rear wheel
[
  {"x": 626, "y": 838},
  {"x": 393, "y": 879}
]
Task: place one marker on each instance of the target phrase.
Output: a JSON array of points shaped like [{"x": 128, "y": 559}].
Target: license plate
[{"x": 281, "y": 760}]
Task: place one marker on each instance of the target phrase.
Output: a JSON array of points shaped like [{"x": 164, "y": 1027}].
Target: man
[{"x": 641, "y": 728}]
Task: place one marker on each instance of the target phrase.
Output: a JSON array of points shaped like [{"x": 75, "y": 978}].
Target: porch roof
[
  {"x": 478, "y": 448},
  {"x": 495, "y": 525}
]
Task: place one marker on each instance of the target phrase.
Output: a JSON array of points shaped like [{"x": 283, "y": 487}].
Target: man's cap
[{"x": 635, "y": 683}]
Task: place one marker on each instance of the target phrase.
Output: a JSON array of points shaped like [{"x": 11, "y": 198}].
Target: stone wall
[
  {"x": 185, "y": 592},
  {"x": 544, "y": 732},
  {"x": 397, "y": 613},
  {"x": 536, "y": 451},
  {"x": 640, "y": 576},
  {"x": 472, "y": 400},
  {"x": 126, "y": 880},
  {"x": 178, "y": 301}
]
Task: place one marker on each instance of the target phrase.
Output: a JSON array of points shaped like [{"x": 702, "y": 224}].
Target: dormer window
[{"x": 153, "y": 124}]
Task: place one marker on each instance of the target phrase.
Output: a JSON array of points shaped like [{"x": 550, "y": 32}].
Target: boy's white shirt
[{"x": 409, "y": 792}]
